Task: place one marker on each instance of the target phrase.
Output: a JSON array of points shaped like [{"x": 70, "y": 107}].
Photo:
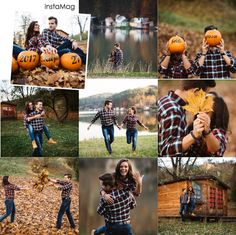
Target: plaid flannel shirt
[
  {"x": 52, "y": 38},
  {"x": 37, "y": 123},
  {"x": 107, "y": 117},
  {"x": 172, "y": 126},
  {"x": 119, "y": 211},
  {"x": 214, "y": 65},
  {"x": 118, "y": 57},
  {"x": 131, "y": 121},
  {"x": 25, "y": 120},
  {"x": 199, "y": 148},
  {"x": 66, "y": 188},
  {"x": 35, "y": 43},
  {"x": 10, "y": 191},
  {"x": 175, "y": 70}
]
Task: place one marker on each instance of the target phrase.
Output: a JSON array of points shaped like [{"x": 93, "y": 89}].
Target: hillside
[{"x": 139, "y": 98}]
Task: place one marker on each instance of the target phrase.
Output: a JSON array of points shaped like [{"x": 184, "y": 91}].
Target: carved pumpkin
[
  {"x": 14, "y": 65},
  {"x": 213, "y": 37},
  {"x": 176, "y": 44},
  {"x": 50, "y": 60},
  {"x": 71, "y": 61},
  {"x": 28, "y": 59}
]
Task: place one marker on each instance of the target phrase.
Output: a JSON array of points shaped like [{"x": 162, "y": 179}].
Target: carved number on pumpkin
[
  {"x": 75, "y": 59},
  {"x": 30, "y": 58}
]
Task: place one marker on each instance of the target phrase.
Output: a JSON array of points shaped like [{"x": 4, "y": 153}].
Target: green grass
[
  {"x": 15, "y": 141},
  {"x": 177, "y": 227},
  {"x": 123, "y": 75},
  {"x": 146, "y": 147}
]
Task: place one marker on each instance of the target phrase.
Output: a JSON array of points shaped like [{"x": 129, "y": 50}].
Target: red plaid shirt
[
  {"x": 35, "y": 43},
  {"x": 199, "y": 148},
  {"x": 10, "y": 191},
  {"x": 175, "y": 69},
  {"x": 172, "y": 126},
  {"x": 214, "y": 65},
  {"x": 131, "y": 121}
]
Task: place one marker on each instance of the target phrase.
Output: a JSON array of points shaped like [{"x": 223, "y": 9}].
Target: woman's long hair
[
  {"x": 27, "y": 109},
  {"x": 118, "y": 176},
  {"x": 220, "y": 116},
  {"x": 5, "y": 181},
  {"x": 30, "y": 33},
  {"x": 192, "y": 191}
]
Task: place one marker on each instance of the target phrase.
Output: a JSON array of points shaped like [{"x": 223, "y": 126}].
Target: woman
[
  {"x": 175, "y": 65},
  {"x": 9, "y": 198},
  {"x": 191, "y": 200},
  {"x": 29, "y": 109},
  {"x": 33, "y": 41},
  {"x": 125, "y": 179},
  {"x": 213, "y": 141},
  {"x": 131, "y": 120}
]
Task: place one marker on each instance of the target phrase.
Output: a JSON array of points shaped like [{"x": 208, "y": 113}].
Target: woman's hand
[
  {"x": 198, "y": 128},
  {"x": 167, "y": 51},
  {"x": 137, "y": 177},
  {"x": 108, "y": 198},
  {"x": 205, "y": 120}
]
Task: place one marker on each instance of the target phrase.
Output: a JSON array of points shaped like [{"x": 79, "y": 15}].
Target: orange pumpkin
[
  {"x": 213, "y": 37},
  {"x": 28, "y": 59},
  {"x": 71, "y": 61},
  {"x": 14, "y": 65},
  {"x": 50, "y": 60},
  {"x": 176, "y": 44}
]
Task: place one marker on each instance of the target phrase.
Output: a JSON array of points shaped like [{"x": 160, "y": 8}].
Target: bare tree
[
  {"x": 25, "y": 22},
  {"x": 179, "y": 166},
  {"x": 82, "y": 27}
]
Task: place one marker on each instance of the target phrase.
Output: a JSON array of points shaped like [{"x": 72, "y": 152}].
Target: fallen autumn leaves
[{"x": 36, "y": 212}]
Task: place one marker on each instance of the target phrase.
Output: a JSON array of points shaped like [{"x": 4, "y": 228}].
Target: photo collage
[{"x": 117, "y": 117}]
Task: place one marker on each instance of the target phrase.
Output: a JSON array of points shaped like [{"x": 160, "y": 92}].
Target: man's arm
[
  {"x": 94, "y": 119},
  {"x": 101, "y": 210}
]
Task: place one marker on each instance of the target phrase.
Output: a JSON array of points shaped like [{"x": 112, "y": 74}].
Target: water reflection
[
  {"x": 148, "y": 118},
  {"x": 139, "y": 46}
]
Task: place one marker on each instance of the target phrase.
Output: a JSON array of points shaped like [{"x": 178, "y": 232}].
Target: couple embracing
[
  {"x": 205, "y": 136},
  {"x": 108, "y": 119},
  {"x": 118, "y": 191}
]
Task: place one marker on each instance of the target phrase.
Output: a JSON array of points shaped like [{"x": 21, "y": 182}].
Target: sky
[{"x": 99, "y": 86}]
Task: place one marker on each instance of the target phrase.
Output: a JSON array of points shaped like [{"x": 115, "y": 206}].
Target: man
[
  {"x": 117, "y": 215},
  {"x": 173, "y": 139},
  {"x": 108, "y": 118},
  {"x": 58, "y": 44},
  {"x": 183, "y": 199},
  {"x": 37, "y": 122},
  {"x": 117, "y": 57},
  {"x": 214, "y": 62},
  {"x": 66, "y": 187}
]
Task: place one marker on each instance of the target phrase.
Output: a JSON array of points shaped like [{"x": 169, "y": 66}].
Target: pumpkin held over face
[
  {"x": 213, "y": 37},
  {"x": 71, "y": 61},
  {"x": 176, "y": 44},
  {"x": 50, "y": 60},
  {"x": 14, "y": 65},
  {"x": 28, "y": 59}
]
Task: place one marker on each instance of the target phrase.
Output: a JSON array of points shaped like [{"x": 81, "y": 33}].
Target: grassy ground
[
  {"x": 15, "y": 141},
  {"x": 146, "y": 147},
  {"x": 173, "y": 226}
]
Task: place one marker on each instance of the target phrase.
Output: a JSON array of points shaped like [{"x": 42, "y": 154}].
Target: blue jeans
[
  {"x": 66, "y": 47},
  {"x": 39, "y": 141},
  {"x": 131, "y": 136},
  {"x": 191, "y": 205},
  {"x": 65, "y": 208},
  {"x": 108, "y": 134},
  {"x": 100, "y": 230},
  {"x": 16, "y": 50},
  {"x": 10, "y": 210},
  {"x": 118, "y": 229},
  {"x": 45, "y": 130},
  {"x": 183, "y": 208}
]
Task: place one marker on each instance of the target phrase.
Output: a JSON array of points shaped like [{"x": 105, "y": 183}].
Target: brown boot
[
  {"x": 51, "y": 141},
  {"x": 34, "y": 145}
]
